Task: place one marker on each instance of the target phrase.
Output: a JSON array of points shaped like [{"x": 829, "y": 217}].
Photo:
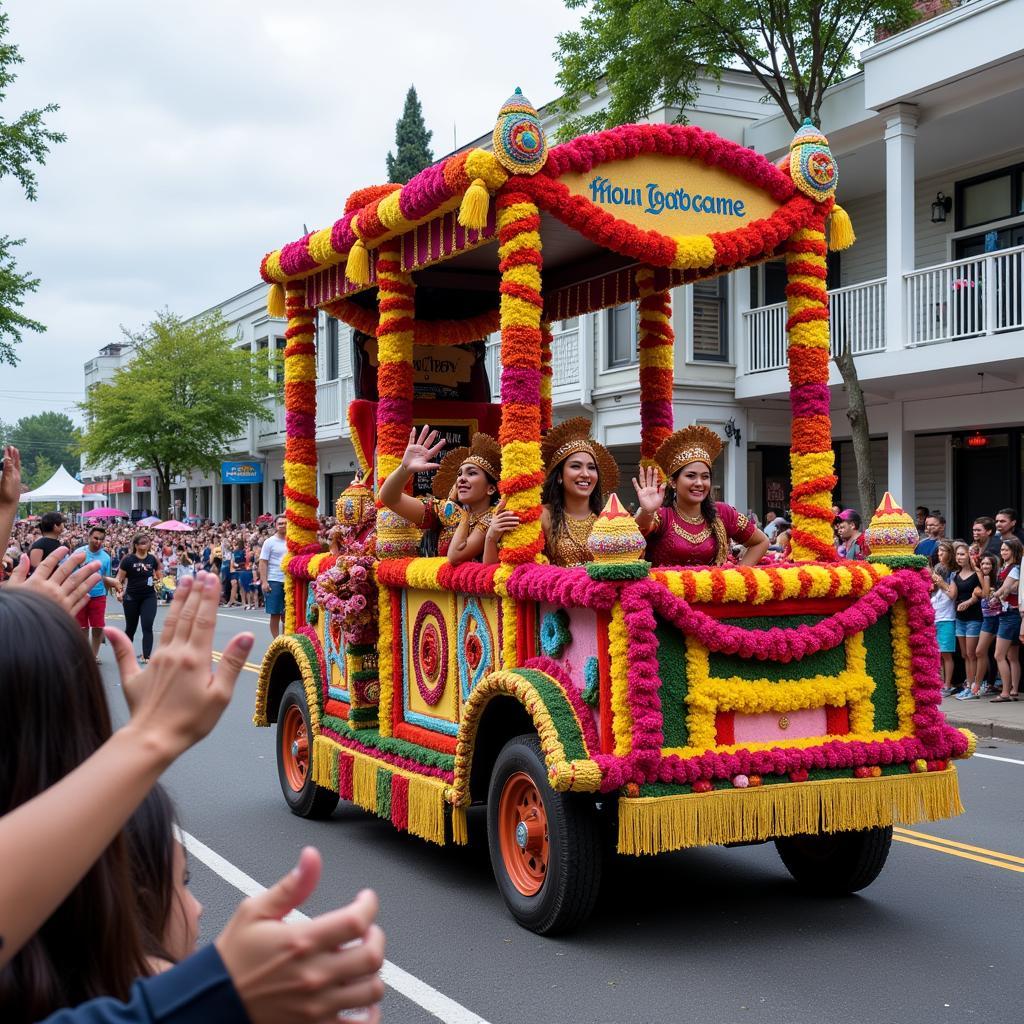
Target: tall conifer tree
[{"x": 412, "y": 142}]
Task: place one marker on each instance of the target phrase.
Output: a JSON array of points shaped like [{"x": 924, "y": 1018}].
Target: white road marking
[
  {"x": 241, "y": 618},
  {"x": 435, "y": 1003},
  {"x": 992, "y": 757}
]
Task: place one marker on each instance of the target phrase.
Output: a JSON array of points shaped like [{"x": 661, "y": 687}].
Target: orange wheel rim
[
  {"x": 523, "y": 833},
  {"x": 295, "y": 748}
]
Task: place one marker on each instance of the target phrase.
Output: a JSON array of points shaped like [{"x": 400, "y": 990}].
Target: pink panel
[{"x": 765, "y": 728}]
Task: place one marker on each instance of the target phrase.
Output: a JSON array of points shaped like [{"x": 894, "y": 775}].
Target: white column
[
  {"x": 900, "y": 139},
  {"x": 901, "y": 476},
  {"x": 739, "y": 303}
]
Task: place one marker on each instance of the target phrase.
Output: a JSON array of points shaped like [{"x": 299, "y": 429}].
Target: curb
[{"x": 989, "y": 729}]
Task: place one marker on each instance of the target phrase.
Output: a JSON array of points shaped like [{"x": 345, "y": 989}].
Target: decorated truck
[{"x": 794, "y": 701}]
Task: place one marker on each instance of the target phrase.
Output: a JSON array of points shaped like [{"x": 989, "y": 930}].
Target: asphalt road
[{"x": 714, "y": 935}]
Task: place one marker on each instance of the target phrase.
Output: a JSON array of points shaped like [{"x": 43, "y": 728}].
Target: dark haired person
[
  {"x": 935, "y": 530},
  {"x": 920, "y": 516},
  {"x": 1006, "y": 520},
  {"x": 852, "y": 543},
  {"x": 139, "y": 573},
  {"x": 683, "y": 524},
  {"x": 50, "y": 528},
  {"x": 93, "y": 615},
  {"x": 983, "y": 532}
]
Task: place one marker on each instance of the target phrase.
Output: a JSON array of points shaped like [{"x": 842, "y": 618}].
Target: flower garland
[
  {"x": 546, "y": 375},
  {"x": 811, "y": 457},
  {"x": 521, "y": 303},
  {"x": 349, "y": 591},
  {"x": 656, "y": 348},
  {"x": 425, "y": 332},
  {"x": 396, "y": 304}
]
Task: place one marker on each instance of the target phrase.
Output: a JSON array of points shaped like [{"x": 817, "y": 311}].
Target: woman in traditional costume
[
  {"x": 580, "y": 473},
  {"x": 465, "y": 488},
  {"x": 682, "y": 523}
]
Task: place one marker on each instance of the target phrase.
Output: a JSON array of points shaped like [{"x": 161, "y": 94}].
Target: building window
[
  {"x": 622, "y": 335},
  {"x": 768, "y": 284},
  {"x": 710, "y": 320},
  {"x": 990, "y": 197},
  {"x": 333, "y": 351},
  {"x": 334, "y": 484},
  {"x": 278, "y": 497},
  {"x": 279, "y": 362}
]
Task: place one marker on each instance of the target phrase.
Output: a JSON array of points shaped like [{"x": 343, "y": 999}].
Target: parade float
[{"x": 795, "y": 702}]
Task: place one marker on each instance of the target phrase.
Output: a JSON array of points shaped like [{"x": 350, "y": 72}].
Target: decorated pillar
[
  {"x": 656, "y": 348},
  {"x": 397, "y": 304},
  {"x": 812, "y": 462},
  {"x": 521, "y": 343},
  {"x": 300, "y": 443},
  {"x": 545, "y": 377}
]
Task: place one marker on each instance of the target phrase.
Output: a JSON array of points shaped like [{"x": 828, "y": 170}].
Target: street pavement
[{"x": 714, "y": 936}]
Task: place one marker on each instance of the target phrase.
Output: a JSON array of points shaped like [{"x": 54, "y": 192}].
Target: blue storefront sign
[{"x": 241, "y": 472}]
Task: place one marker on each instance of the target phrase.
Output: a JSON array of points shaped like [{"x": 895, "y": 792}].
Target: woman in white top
[{"x": 944, "y": 607}]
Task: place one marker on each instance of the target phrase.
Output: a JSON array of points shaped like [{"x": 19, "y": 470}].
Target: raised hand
[
  {"x": 502, "y": 521},
  {"x": 650, "y": 490},
  {"x": 10, "y": 481},
  {"x": 176, "y": 700},
  {"x": 68, "y": 582},
  {"x": 422, "y": 451},
  {"x": 308, "y": 970}
]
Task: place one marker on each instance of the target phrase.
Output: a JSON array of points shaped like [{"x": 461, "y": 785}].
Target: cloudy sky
[{"x": 202, "y": 133}]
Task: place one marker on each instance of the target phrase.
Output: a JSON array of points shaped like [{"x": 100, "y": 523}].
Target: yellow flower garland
[{"x": 618, "y": 651}]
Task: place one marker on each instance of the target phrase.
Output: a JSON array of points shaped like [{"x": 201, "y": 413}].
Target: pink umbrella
[
  {"x": 105, "y": 513},
  {"x": 174, "y": 525},
  {"x": 149, "y": 521}
]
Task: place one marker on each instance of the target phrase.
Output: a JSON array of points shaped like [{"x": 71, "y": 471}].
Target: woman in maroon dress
[{"x": 682, "y": 523}]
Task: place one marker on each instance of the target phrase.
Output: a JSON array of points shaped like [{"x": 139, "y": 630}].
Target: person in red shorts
[{"x": 93, "y": 614}]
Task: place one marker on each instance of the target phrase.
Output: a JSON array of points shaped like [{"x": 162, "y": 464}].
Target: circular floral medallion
[
  {"x": 554, "y": 633},
  {"x": 430, "y": 652}
]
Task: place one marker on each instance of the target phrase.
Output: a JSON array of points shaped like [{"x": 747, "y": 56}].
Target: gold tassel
[
  {"x": 364, "y": 783},
  {"x": 840, "y": 230},
  {"x": 649, "y": 825},
  {"x": 460, "y": 831},
  {"x": 426, "y": 809},
  {"x": 323, "y": 751},
  {"x": 475, "y": 205},
  {"x": 357, "y": 267},
  {"x": 275, "y": 301}
]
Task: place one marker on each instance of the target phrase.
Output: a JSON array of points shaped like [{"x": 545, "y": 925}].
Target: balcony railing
[
  {"x": 272, "y": 428},
  {"x": 328, "y": 400},
  {"x": 856, "y": 317},
  {"x": 565, "y": 358},
  {"x": 965, "y": 298}
]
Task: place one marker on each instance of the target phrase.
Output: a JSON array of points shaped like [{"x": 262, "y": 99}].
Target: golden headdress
[
  {"x": 692, "y": 444},
  {"x": 483, "y": 451},
  {"x": 574, "y": 436}
]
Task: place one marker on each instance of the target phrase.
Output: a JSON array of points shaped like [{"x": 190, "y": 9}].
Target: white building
[{"x": 931, "y": 298}]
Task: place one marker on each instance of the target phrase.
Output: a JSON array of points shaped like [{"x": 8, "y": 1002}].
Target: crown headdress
[
  {"x": 571, "y": 437},
  {"x": 483, "y": 451},
  {"x": 692, "y": 444}
]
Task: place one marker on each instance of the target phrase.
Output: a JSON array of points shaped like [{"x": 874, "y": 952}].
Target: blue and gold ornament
[
  {"x": 519, "y": 141},
  {"x": 814, "y": 172}
]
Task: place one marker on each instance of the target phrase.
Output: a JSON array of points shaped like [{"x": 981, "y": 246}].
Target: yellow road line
[
  {"x": 960, "y": 853},
  {"x": 248, "y": 667},
  {"x": 897, "y": 832}
]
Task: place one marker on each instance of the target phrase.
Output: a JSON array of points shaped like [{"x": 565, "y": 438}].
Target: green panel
[
  {"x": 371, "y": 739},
  {"x": 824, "y": 663},
  {"x": 878, "y": 643},
  {"x": 383, "y": 793},
  {"x": 561, "y": 713},
  {"x": 672, "y": 672}
]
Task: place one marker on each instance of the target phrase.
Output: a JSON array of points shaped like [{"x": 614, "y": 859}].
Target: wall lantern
[
  {"x": 942, "y": 205},
  {"x": 732, "y": 431}
]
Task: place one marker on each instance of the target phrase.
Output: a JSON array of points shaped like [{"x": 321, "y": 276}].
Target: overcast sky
[{"x": 202, "y": 133}]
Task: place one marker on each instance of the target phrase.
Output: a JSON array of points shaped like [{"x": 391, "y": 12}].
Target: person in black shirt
[
  {"x": 50, "y": 526},
  {"x": 140, "y": 572}
]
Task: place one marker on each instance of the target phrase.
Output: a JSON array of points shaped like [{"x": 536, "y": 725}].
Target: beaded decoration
[
  {"x": 811, "y": 163},
  {"x": 519, "y": 141}
]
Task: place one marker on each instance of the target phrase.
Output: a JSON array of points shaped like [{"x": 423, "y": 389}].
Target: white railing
[
  {"x": 328, "y": 403},
  {"x": 565, "y": 358},
  {"x": 856, "y": 318},
  {"x": 275, "y": 425},
  {"x": 965, "y": 298}
]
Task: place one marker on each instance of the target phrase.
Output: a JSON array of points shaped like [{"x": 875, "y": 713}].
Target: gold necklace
[
  {"x": 693, "y": 538},
  {"x": 697, "y": 520},
  {"x": 577, "y": 532}
]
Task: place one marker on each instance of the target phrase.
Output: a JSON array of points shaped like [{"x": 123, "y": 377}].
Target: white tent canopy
[{"x": 62, "y": 486}]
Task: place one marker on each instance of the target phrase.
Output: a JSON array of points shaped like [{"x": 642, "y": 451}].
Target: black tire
[
  {"x": 575, "y": 848},
  {"x": 836, "y": 864},
  {"x": 311, "y": 800}
]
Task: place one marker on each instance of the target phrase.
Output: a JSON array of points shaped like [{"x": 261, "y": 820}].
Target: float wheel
[
  {"x": 546, "y": 849},
  {"x": 836, "y": 863},
  {"x": 295, "y": 758}
]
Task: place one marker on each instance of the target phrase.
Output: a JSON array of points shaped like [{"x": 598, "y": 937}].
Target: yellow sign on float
[{"x": 672, "y": 195}]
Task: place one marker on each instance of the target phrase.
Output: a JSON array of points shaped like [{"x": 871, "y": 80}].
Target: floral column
[
  {"x": 656, "y": 348},
  {"x": 300, "y": 444},
  {"x": 545, "y": 377},
  {"x": 521, "y": 344}
]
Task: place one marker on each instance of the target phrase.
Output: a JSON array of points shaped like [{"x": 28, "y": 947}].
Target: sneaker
[
  {"x": 987, "y": 689},
  {"x": 964, "y": 694},
  {"x": 970, "y": 695},
  {"x": 948, "y": 691}
]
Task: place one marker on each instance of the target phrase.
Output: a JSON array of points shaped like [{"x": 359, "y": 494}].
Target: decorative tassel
[
  {"x": 460, "y": 832},
  {"x": 475, "y": 205},
  {"x": 357, "y": 268},
  {"x": 840, "y": 230},
  {"x": 275, "y": 301}
]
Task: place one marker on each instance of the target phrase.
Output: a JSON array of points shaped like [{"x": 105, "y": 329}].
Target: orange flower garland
[
  {"x": 656, "y": 348},
  {"x": 546, "y": 373}
]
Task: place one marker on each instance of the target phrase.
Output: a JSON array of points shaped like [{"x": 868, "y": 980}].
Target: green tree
[
  {"x": 180, "y": 401},
  {"x": 50, "y": 434},
  {"x": 24, "y": 142},
  {"x": 412, "y": 142},
  {"x": 653, "y": 52}
]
